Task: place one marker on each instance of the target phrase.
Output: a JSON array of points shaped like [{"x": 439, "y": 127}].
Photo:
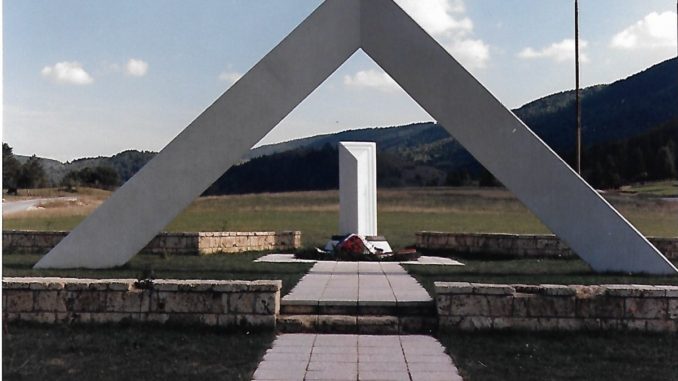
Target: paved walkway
[
  {"x": 356, "y": 357},
  {"x": 357, "y": 283}
]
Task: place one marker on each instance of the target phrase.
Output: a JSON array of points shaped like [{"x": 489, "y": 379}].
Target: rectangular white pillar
[{"x": 358, "y": 188}]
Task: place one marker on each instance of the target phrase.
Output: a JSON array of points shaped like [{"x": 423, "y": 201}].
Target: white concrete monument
[
  {"x": 256, "y": 103},
  {"x": 358, "y": 188}
]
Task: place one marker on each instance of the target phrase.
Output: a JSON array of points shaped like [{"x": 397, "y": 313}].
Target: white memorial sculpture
[
  {"x": 358, "y": 188},
  {"x": 358, "y": 194},
  {"x": 256, "y": 103}
]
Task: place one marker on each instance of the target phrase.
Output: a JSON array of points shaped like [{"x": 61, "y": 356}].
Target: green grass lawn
[
  {"x": 594, "y": 356},
  {"x": 527, "y": 271},
  {"x": 102, "y": 352},
  {"x": 654, "y": 189},
  {"x": 402, "y": 212},
  {"x": 217, "y": 266}
]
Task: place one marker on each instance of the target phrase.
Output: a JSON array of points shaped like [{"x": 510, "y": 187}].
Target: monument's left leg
[{"x": 220, "y": 136}]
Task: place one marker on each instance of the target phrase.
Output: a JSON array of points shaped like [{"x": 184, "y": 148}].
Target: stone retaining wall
[
  {"x": 191, "y": 243},
  {"x": 518, "y": 245},
  {"x": 469, "y": 306},
  {"x": 205, "y": 302}
]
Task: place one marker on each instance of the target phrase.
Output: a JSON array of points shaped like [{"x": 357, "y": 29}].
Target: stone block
[
  {"x": 417, "y": 324},
  {"x": 241, "y": 303},
  {"x": 38, "y": 317},
  {"x": 120, "y": 301},
  {"x": 443, "y": 305},
  {"x": 297, "y": 323},
  {"x": 15, "y": 284},
  {"x": 645, "y": 308},
  {"x": 337, "y": 323},
  {"x": 181, "y": 302},
  {"x": 444, "y": 288},
  {"x": 76, "y": 284},
  {"x": 600, "y": 306},
  {"x": 47, "y": 284},
  {"x": 447, "y": 323},
  {"x": 633, "y": 324},
  {"x": 378, "y": 325},
  {"x": 521, "y": 305},
  {"x": 569, "y": 324},
  {"x": 501, "y": 323},
  {"x": 673, "y": 308},
  {"x": 610, "y": 324},
  {"x": 255, "y": 321},
  {"x": 524, "y": 323},
  {"x": 492, "y": 289},
  {"x": 656, "y": 325},
  {"x": 165, "y": 285},
  {"x": 87, "y": 301},
  {"x": 474, "y": 323},
  {"x": 155, "y": 317},
  {"x": 267, "y": 303},
  {"x": 469, "y": 305},
  {"x": 48, "y": 301},
  {"x": 557, "y": 290},
  {"x": 552, "y": 306},
  {"x": 19, "y": 300},
  {"x": 265, "y": 285},
  {"x": 105, "y": 317},
  {"x": 231, "y": 286},
  {"x": 500, "y": 305},
  {"x": 671, "y": 291}
]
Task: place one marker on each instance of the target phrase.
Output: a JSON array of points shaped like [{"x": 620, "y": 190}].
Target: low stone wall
[
  {"x": 470, "y": 306},
  {"x": 190, "y": 243},
  {"x": 516, "y": 245},
  {"x": 206, "y": 302}
]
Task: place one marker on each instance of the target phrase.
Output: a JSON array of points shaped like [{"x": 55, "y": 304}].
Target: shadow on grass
[
  {"x": 528, "y": 271},
  {"x": 128, "y": 352},
  {"x": 525, "y": 356},
  {"x": 217, "y": 266}
]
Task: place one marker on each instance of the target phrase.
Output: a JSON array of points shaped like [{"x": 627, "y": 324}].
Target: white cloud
[
  {"x": 229, "y": 76},
  {"x": 447, "y": 22},
  {"x": 562, "y": 51},
  {"x": 136, "y": 67},
  {"x": 68, "y": 73},
  {"x": 371, "y": 79},
  {"x": 656, "y": 30}
]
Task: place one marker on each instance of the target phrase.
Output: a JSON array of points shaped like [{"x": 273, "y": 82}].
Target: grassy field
[
  {"x": 654, "y": 189},
  {"x": 402, "y": 212},
  {"x": 63, "y": 352},
  {"x": 218, "y": 266},
  {"x": 525, "y": 356},
  {"x": 527, "y": 271}
]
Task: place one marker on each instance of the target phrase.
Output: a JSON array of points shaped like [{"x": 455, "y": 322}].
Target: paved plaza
[
  {"x": 357, "y": 283},
  {"x": 356, "y": 357}
]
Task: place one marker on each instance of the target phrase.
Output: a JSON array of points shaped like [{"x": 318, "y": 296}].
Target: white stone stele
[{"x": 358, "y": 188}]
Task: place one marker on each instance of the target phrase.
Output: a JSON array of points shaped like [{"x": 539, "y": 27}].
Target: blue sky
[{"x": 89, "y": 78}]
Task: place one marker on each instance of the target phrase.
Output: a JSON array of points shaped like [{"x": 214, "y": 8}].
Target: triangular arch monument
[{"x": 254, "y": 105}]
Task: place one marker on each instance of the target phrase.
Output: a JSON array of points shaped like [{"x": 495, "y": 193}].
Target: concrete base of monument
[
  {"x": 354, "y": 247},
  {"x": 378, "y": 242}
]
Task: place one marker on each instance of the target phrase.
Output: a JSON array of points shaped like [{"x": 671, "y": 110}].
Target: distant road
[{"x": 9, "y": 207}]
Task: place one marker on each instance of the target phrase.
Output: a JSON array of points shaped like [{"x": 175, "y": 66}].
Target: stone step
[
  {"x": 363, "y": 324},
  {"x": 353, "y": 308}
]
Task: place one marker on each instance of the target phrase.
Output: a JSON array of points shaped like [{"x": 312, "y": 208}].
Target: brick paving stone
[
  {"x": 356, "y": 357},
  {"x": 341, "y": 282}
]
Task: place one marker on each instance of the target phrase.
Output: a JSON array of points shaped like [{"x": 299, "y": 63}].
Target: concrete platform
[
  {"x": 356, "y": 357},
  {"x": 423, "y": 260},
  {"x": 357, "y": 297}
]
